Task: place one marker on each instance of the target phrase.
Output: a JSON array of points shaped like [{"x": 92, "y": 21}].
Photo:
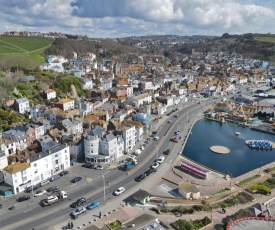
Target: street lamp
[
  {"x": 157, "y": 151},
  {"x": 261, "y": 167},
  {"x": 103, "y": 188}
]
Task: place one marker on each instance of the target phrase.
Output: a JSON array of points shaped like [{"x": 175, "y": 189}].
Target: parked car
[
  {"x": 140, "y": 177},
  {"x": 93, "y": 205},
  {"x": 155, "y": 165},
  {"x": 119, "y": 191},
  {"x": 154, "y": 132},
  {"x": 161, "y": 159},
  {"x": 176, "y": 115},
  {"x": 169, "y": 121},
  {"x": 156, "y": 138},
  {"x": 63, "y": 173},
  {"x": 23, "y": 198},
  {"x": 76, "y": 179},
  {"x": 149, "y": 171},
  {"x": 166, "y": 152},
  {"x": 31, "y": 188},
  {"x": 78, "y": 203},
  {"x": 53, "y": 188},
  {"x": 40, "y": 193},
  {"x": 88, "y": 165},
  {"x": 53, "y": 178},
  {"x": 44, "y": 182},
  {"x": 78, "y": 211},
  {"x": 99, "y": 167},
  {"x": 1, "y": 206}
]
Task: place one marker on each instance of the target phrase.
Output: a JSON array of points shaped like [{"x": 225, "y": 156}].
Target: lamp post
[
  {"x": 32, "y": 187},
  {"x": 261, "y": 167},
  {"x": 157, "y": 152},
  {"x": 103, "y": 188}
]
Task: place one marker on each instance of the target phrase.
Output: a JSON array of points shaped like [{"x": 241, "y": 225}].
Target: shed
[
  {"x": 188, "y": 191},
  {"x": 141, "y": 196}
]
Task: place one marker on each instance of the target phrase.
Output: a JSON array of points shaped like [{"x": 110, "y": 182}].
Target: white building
[
  {"x": 86, "y": 83},
  {"x": 128, "y": 133},
  {"x": 17, "y": 137},
  {"x": 106, "y": 84},
  {"x": 22, "y": 105},
  {"x": 38, "y": 168}
]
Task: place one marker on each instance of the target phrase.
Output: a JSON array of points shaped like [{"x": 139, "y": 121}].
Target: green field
[
  {"x": 25, "y": 50},
  {"x": 265, "y": 39}
]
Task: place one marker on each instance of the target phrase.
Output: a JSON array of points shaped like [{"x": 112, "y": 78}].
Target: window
[
  {"x": 35, "y": 171},
  {"x": 65, "y": 150},
  {"x": 56, "y": 155},
  {"x": 56, "y": 161},
  {"x": 25, "y": 178},
  {"x": 35, "y": 165}
]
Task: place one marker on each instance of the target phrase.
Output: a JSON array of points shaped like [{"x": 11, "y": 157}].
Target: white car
[
  {"x": 155, "y": 165},
  {"x": 99, "y": 167},
  {"x": 51, "y": 199},
  {"x": 40, "y": 193},
  {"x": 119, "y": 191},
  {"x": 132, "y": 157},
  {"x": 161, "y": 159}
]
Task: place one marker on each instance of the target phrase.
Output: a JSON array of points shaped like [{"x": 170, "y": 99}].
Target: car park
[
  {"x": 40, "y": 193},
  {"x": 140, "y": 177},
  {"x": 155, "y": 165},
  {"x": 93, "y": 205},
  {"x": 99, "y": 167},
  {"x": 78, "y": 211},
  {"x": 161, "y": 159},
  {"x": 76, "y": 179},
  {"x": 53, "y": 188},
  {"x": 63, "y": 173},
  {"x": 166, "y": 152},
  {"x": 55, "y": 177},
  {"x": 119, "y": 191},
  {"x": 23, "y": 198}
]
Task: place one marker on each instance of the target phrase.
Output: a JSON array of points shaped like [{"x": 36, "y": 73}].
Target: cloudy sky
[{"x": 121, "y": 18}]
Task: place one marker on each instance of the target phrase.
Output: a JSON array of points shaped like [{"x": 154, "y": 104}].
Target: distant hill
[{"x": 64, "y": 46}]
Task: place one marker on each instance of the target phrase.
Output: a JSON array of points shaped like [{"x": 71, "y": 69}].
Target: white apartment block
[
  {"x": 128, "y": 133},
  {"x": 38, "y": 168},
  {"x": 22, "y": 105}
]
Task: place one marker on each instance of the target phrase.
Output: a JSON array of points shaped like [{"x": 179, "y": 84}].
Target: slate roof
[{"x": 14, "y": 135}]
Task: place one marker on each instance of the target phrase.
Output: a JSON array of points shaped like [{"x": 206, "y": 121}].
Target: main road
[{"x": 35, "y": 217}]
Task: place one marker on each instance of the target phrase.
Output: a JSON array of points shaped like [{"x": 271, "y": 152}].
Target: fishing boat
[
  {"x": 260, "y": 144},
  {"x": 237, "y": 133}
]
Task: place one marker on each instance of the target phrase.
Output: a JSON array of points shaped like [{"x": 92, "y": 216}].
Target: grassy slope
[{"x": 16, "y": 49}]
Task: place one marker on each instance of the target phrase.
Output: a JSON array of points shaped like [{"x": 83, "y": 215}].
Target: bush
[
  {"x": 156, "y": 210},
  {"x": 244, "y": 197},
  {"x": 261, "y": 188}
]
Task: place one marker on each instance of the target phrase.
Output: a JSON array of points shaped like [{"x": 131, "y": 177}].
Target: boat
[
  {"x": 237, "y": 133},
  {"x": 260, "y": 144}
]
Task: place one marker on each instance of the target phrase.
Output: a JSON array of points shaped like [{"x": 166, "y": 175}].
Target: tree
[{"x": 226, "y": 35}]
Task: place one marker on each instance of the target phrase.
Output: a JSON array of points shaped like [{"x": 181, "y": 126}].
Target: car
[
  {"x": 149, "y": 171},
  {"x": 54, "y": 177},
  {"x": 99, "y": 167},
  {"x": 132, "y": 157},
  {"x": 155, "y": 165},
  {"x": 53, "y": 188},
  {"x": 161, "y": 159},
  {"x": 63, "y": 173},
  {"x": 141, "y": 148},
  {"x": 88, "y": 165},
  {"x": 154, "y": 132},
  {"x": 119, "y": 191},
  {"x": 80, "y": 210},
  {"x": 40, "y": 193},
  {"x": 176, "y": 115},
  {"x": 156, "y": 138},
  {"x": 79, "y": 202},
  {"x": 1, "y": 206},
  {"x": 140, "y": 177},
  {"x": 93, "y": 205},
  {"x": 44, "y": 182},
  {"x": 31, "y": 188},
  {"x": 23, "y": 198},
  {"x": 76, "y": 179},
  {"x": 169, "y": 121},
  {"x": 51, "y": 199},
  {"x": 166, "y": 152}
]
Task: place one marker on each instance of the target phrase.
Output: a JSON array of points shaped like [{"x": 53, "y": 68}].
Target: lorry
[
  {"x": 61, "y": 195},
  {"x": 129, "y": 164}
]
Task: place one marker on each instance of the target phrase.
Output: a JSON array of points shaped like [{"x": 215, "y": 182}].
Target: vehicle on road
[
  {"x": 142, "y": 148},
  {"x": 23, "y": 198},
  {"x": 155, "y": 132},
  {"x": 63, "y": 173},
  {"x": 99, "y": 167},
  {"x": 44, "y": 182},
  {"x": 119, "y": 191},
  {"x": 93, "y": 205},
  {"x": 53, "y": 178},
  {"x": 169, "y": 121},
  {"x": 156, "y": 138},
  {"x": 54, "y": 199},
  {"x": 166, "y": 152},
  {"x": 53, "y": 188},
  {"x": 161, "y": 159},
  {"x": 155, "y": 165},
  {"x": 1, "y": 206},
  {"x": 149, "y": 171},
  {"x": 78, "y": 203},
  {"x": 137, "y": 152},
  {"x": 31, "y": 188},
  {"x": 76, "y": 179},
  {"x": 176, "y": 115},
  {"x": 140, "y": 177},
  {"x": 129, "y": 164},
  {"x": 78, "y": 211},
  {"x": 40, "y": 193},
  {"x": 88, "y": 165}
]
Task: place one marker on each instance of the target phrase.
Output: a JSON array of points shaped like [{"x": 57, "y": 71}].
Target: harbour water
[{"x": 240, "y": 160}]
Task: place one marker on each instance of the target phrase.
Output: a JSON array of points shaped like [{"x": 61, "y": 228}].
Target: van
[
  {"x": 137, "y": 152},
  {"x": 44, "y": 182},
  {"x": 53, "y": 178},
  {"x": 156, "y": 138},
  {"x": 134, "y": 161}
]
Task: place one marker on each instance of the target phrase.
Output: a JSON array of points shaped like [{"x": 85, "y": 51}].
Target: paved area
[{"x": 253, "y": 225}]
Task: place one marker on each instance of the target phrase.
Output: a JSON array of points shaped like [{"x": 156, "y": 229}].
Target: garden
[{"x": 192, "y": 224}]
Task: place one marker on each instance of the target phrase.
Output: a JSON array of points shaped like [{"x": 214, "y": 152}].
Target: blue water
[{"x": 240, "y": 160}]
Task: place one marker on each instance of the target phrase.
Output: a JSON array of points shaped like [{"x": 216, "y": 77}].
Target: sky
[{"x": 123, "y": 18}]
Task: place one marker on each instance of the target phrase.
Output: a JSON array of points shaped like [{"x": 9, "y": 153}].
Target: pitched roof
[{"x": 16, "y": 167}]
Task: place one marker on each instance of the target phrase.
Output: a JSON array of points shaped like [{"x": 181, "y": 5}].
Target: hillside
[
  {"x": 25, "y": 52},
  {"x": 64, "y": 46}
]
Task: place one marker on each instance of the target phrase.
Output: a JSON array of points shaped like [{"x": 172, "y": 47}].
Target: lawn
[
  {"x": 265, "y": 39},
  {"x": 247, "y": 180},
  {"x": 115, "y": 224}
]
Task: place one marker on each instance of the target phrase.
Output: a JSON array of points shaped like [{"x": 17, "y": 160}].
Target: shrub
[
  {"x": 244, "y": 197},
  {"x": 156, "y": 210},
  {"x": 261, "y": 188}
]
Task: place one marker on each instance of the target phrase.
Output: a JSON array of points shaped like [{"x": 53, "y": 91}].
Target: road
[{"x": 34, "y": 216}]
